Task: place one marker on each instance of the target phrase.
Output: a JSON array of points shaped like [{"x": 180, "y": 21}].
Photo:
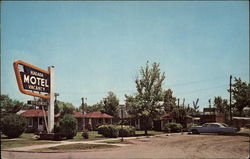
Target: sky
[{"x": 97, "y": 47}]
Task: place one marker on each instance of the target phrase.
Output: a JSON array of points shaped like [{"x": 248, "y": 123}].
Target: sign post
[{"x": 51, "y": 101}]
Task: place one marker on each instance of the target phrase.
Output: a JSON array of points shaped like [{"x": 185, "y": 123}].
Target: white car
[{"x": 212, "y": 128}]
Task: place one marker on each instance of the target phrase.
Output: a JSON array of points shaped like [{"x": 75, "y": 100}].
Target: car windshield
[
  {"x": 204, "y": 125},
  {"x": 225, "y": 125}
]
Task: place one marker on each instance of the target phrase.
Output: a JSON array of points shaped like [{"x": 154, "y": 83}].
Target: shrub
[
  {"x": 13, "y": 125},
  {"x": 56, "y": 128},
  {"x": 167, "y": 130},
  {"x": 85, "y": 134},
  {"x": 68, "y": 126},
  {"x": 173, "y": 127},
  {"x": 108, "y": 130},
  {"x": 126, "y": 131}
]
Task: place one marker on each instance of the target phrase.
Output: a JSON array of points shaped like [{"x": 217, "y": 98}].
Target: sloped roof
[
  {"x": 36, "y": 113},
  {"x": 78, "y": 115},
  {"x": 97, "y": 115}
]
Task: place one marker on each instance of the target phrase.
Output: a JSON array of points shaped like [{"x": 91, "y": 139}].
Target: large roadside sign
[{"x": 32, "y": 80}]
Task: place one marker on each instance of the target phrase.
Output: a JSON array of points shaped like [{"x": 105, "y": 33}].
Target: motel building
[{"x": 36, "y": 120}]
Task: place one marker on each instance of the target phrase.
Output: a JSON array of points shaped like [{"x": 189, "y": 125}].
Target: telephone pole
[
  {"x": 83, "y": 105},
  {"x": 56, "y": 95},
  {"x": 178, "y": 102},
  {"x": 230, "y": 101}
]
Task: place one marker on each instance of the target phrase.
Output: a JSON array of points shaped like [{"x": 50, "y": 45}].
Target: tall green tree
[
  {"x": 240, "y": 94},
  {"x": 221, "y": 104},
  {"x": 168, "y": 100},
  {"x": 98, "y": 107},
  {"x": 11, "y": 106},
  {"x": 145, "y": 104},
  {"x": 111, "y": 104}
]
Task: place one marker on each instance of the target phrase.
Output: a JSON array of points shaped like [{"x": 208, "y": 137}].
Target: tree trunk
[{"x": 146, "y": 132}]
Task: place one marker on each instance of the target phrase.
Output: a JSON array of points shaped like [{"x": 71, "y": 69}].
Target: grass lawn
[
  {"x": 150, "y": 132},
  {"x": 27, "y": 140},
  {"x": 93, "y": 135},
  {"x": 19, "y": 143},
  {"x": 75, "y": 147},
  {"x": 24, "y": 140},
  {"x": 118, "y": 141}
]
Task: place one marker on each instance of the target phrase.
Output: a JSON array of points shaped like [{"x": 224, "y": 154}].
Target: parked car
[{"x": 212, "y": 128}]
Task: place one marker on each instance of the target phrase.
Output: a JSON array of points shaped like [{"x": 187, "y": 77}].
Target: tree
[
  {"x": 11, "y": 106},
  {"x": 111, "y": 104},
  {"x": 168, "y": 100},
  {"x": 68, "y": 126},
  {"x": 145, "y": 104},
  {"x": 67, "y": 110},
  {"x": 95, "y": 108},
  {"x": 240, "y": 94},
  {"x": 13, "y": 125},
  {"x": 57, "y": 109},
  {"x": 64, "y": 107},
  {"x": 220, "y": 104}
]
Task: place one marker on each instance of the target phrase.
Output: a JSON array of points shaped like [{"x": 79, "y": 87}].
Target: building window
[
  {"x": 30, "y": 122},
  {"x": 40, "y": 121}
]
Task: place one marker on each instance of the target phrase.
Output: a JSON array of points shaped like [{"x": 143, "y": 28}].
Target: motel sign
[{"x": 37, "y": 82}]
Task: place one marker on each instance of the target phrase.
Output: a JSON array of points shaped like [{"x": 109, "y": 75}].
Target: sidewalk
[{"x": 102, "y": 141}]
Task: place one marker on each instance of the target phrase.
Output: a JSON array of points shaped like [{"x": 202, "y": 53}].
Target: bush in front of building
[
  {"x": 13, "y": 125},
  {"x": 173, "y": 127},
  {"x": 126, "y": 130},
  {"x": 108, "y": 130},
  {"x": 68, "y": 126},
  {"x": 85, "y": 134}
]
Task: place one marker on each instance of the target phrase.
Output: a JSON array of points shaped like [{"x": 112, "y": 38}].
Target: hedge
[
  {"x": 126, "y": 131},
  {"x": 172, "y": 127},
  {"x": 116, "y": 130},
  {"x": 108, "y": 130}
]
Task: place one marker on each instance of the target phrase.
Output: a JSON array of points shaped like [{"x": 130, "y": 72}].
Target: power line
[{"x": 204, "y": 89}]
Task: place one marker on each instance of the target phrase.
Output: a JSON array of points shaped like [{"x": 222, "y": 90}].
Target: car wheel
[{"x": 194, "y": 131}]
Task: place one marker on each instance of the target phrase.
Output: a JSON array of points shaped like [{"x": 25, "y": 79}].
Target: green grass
[
  {"x": 75, "y": 147},
  {"x": 24, "y": 140},
  {"x": 93, "y": 135},
  {"x": 150, "y": 132},
  {"x": 7, "y": 144},
  {"x": 23, "y": 136},
  {"x": 118, "y": 141}
]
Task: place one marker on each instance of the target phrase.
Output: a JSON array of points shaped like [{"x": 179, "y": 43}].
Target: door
[{"x": 40, "y": 124}]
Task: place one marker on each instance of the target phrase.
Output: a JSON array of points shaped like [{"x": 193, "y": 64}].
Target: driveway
[{"x": 173, "y": 146}]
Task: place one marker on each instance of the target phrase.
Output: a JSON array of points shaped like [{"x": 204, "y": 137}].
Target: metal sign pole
[{"x": 51, "y": 101}]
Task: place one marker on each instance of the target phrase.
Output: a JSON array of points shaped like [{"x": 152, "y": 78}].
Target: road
[{"x": 173, "y": 146}]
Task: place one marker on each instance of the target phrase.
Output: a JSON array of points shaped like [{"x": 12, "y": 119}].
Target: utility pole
[
  {"x": 178, "y": 102},
  {"x": 183, "y": 102},
  {"x": 230, "y": 101},
  {"x": 83, "y": 105},
  {"x": 56, "y": 95},
  {"x": 122, "y": 120}
]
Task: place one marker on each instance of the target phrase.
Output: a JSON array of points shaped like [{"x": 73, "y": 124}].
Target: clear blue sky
[{"x": 98, "y": 47}]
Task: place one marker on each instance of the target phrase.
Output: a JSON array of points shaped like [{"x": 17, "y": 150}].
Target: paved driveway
[{"x": 173, "y": 146}]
